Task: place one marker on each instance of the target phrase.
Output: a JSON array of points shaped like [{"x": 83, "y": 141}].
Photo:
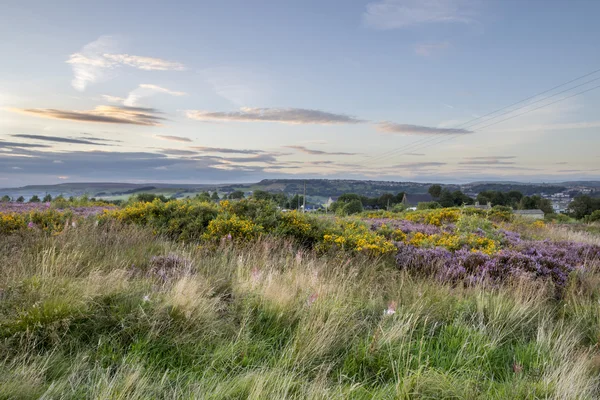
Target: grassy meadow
[{"x": 239, "y": 301}]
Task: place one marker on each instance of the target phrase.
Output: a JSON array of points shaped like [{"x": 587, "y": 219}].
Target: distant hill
[{"x": 316, "y": 188}]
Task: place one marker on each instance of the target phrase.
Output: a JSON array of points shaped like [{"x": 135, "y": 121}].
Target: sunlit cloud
[
  {"x": 147, "y": 90},
  {"x": 101, "y": 114},
  {"x": 305, "y": 150},
  {"x": 281, "y": 115},
  {"x": 59, "y": 139},
  {"x": 173, "y": 138},
  {"x": 226, "y": 150}
]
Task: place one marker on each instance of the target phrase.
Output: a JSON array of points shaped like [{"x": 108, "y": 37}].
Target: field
[{"x": 238, "y": 300}]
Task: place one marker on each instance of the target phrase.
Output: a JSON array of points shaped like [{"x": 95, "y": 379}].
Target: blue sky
[{"x": 236, "y": 91}]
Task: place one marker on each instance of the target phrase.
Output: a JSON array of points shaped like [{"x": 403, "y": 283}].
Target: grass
[{"x": 116, "y": 312}]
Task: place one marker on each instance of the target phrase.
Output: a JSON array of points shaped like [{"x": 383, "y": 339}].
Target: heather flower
[{"x": 313, "y": 297}]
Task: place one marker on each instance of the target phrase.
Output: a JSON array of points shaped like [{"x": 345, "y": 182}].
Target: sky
[{"x": 237, "y": 91}]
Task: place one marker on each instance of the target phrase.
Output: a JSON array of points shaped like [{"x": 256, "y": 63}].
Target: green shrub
[{"x": 428, "y": 205}]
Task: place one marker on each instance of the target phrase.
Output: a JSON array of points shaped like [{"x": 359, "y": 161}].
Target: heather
[{"x": 191, "y": 299}]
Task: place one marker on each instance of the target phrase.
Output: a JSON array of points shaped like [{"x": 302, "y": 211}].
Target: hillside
[{"x": 316, "y": 188}]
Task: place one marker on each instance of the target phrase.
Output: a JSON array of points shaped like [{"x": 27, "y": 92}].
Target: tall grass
[{"x": 115, "y": 312}]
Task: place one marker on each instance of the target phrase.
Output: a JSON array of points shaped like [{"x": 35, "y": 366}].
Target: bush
[
  {"x": 593, "y": 217},
  {"x": 231, "y": 227},
  {"x": 428, "y": 205},
  {"x": 352, "y": 207}
]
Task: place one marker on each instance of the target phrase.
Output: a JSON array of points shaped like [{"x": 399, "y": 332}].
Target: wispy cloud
[
  {"x": 491, "y": 158},
  {"x": 396, "y": 14},
  {"x": 238, "y": 85},
  {"x": 101, "y": 114},
  {"x": 318, "y": 152},
  {"x": 59, "y": 139},
  {"x": 178, "y": 152},
  {"x": 10, "y": 145},
  {"x": 281, "y": 115},
  {"x": 173, "y": 138},
  {"x": 113, "y": 99},
  {"x": 144, "y": 63},
  {"x": 430, "y": 49},
  {"x": 488, "y": 160},
  {"x": 418, "y": 165},
  {"x": 147, "y": 90},
  {"x": 205, "y": 149},
  {"x": 96, "y": 61},
  {"x": 406, "y": 129}
]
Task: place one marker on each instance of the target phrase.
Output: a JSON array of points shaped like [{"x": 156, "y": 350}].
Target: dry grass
[{"x": 82, "y": 315}]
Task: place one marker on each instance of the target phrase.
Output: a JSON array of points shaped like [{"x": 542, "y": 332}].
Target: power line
[
  {"x": 469, "y": 123},
  {"x": 517, "y": 115}
]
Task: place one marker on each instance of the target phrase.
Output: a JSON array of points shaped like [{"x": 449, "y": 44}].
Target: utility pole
[{"x": 304, "y": 198}]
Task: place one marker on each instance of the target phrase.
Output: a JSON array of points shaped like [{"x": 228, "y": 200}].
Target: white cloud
[
  {"x": 113, "y": 99},
  {"x": 147, "y": 90},
  {"x": 96, "y": 62},
  {"x": 396, "y": 14},
  {"x": 89, "y": 65},
  {"x": 145, "y": 63}
]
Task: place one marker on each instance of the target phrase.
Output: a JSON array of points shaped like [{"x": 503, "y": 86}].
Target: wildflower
[
  {"x": 31, "y": 225},
  {"x": 517, "y": 368},
  {"x": 391, "y": 310},
  {"x": 229, "y": 236},
  {"x": 146, "y": 299},
  {"x": 312, "y": 299},
  {"x": 256, "y": 274}
]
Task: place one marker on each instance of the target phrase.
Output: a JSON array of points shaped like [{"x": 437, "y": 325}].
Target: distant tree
[
  {"x": 262, "y": 195},
  {"x": 5, "y": 199},
  {"x": 204, "y": 196},
  {"x": 20, "y": 199},
  {"x": 295, "y": 202},
  {"x": 514, "y": 197},
  {"x": 347, "y": 197},
  {"x": 446, "y": 199},
  {"x": 149, "y": 198},
  {"x": 385, "y": 200},
  {"x": 47, "y": 198},
  {"x": 545, "y": 205},
  {"x": 435, "y": 191},
  {"x": 353, "y": 207},
  {"x": 583, "y": 205},
  {"x": 215, "y": 196},
  {"x": 238, "y": 194},
  {"x": 459, "y": 198},
  {"x": 280, "y": 199},
  {"x": 536, "y": 202},
  {"x": 34, "y": 199}
]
